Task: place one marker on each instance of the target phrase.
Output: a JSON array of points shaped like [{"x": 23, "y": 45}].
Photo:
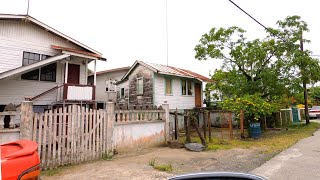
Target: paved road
[{"x": 301, "y": 161}]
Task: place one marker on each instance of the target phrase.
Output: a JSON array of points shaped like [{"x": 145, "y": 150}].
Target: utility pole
[{"x": 304, "y": 83}]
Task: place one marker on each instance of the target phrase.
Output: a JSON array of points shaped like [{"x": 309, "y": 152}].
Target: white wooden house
[
  {"x": 106, "y": 89},
  {"x": 154, "y": 84},
  {"x": 42, "y": 64}
]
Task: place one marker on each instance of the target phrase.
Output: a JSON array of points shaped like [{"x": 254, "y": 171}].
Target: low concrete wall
[
  {"x": 9, "y": 135},
  {"x": 133, "y": 136}
]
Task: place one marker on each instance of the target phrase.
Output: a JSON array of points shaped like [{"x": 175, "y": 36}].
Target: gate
[{"x": 70, "y": 135}]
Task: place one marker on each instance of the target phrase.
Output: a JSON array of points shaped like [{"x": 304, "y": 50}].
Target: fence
[{"x": 75, "y": 134}]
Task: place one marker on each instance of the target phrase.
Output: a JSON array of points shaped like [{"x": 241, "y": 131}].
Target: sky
[{"x": 128, "y": 30}]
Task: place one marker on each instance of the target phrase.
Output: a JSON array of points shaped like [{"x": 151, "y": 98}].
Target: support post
[
  {"x": 205, "y": 123},
  {"x": 66, "y": 73},
  {"x": 26, "y": 120},
  {"x": 110, "y": 126},
  {"x": 230, "y": 125},
  {"x": 209, "y": 125},
  {"x": 167, "y": 120},
  {"x": 176, "y": 128},
  {"x": 242, "y": 124},
  {"x": 86, "y": 61},
  {"x": 186, "y": 126},
  {"x": 95, "y": 73}
]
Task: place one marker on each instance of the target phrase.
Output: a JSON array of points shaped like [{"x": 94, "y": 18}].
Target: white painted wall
[
  {"x": 176, "y": 100},
  {"x": 19, "y": 36},
  {"x": 101, "y": 94}
]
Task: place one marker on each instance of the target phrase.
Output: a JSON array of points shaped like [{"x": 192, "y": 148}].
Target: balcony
[{"x": 77, "y": 92}]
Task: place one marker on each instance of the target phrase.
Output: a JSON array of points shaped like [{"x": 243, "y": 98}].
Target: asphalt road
[{"x": 301, "y": 161}]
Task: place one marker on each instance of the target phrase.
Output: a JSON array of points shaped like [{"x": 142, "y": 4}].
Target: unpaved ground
[{"x": 135, "y": 165}]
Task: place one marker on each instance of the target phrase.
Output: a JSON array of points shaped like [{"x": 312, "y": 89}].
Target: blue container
[{"x": 255, "y": 129}]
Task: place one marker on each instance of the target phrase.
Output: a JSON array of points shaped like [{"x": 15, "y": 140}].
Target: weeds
[
  {"x": 161, "y": 167},
  {"x": 107, "y": 156}
]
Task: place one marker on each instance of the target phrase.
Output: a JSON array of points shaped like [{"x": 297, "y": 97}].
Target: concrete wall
[
  {"x": 130, "y": 137},
  {"x": 9, "y": 135}
]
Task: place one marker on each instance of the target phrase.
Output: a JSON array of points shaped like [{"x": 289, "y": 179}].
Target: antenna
[
  {"x": 167, "y": 32},
  {"x": 28, "y": 7}
]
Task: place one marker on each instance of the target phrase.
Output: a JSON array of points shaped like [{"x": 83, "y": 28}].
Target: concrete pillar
[
  {"x": 110, "y": 125},
  {"x": 26, "y": 120},
  {"x": 167, "y": 120}
]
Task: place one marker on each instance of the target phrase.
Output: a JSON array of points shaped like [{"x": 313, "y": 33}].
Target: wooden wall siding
[
  {"x": 13, "y": 89},
  {"x": 19, "y": 36},
  {"x": 69, "y": 135},
  {"x": 147, "y": 97},
  {"x": 176, "y": 100},
  {"x": 125, "y": 100}
]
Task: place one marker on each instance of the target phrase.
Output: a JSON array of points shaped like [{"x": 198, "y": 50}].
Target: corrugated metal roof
[
  {"x": 76, "y": 51},
  {"x": 111, "y": 70},
  {"x": 163, "y": 69}
]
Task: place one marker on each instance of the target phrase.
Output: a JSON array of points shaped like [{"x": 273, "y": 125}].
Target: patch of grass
[
  {"x": 160, "y": 167},
  {"x": 55, "y": 171},
  {"x": 271, "y": 142},
  {"x": 164, "y": 167},
  {"x": 107, "y": 156}
]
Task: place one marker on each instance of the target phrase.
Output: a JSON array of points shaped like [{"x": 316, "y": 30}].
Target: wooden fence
[
  {"x": 139, "y": 114},
  {"x": 70, "y": 135}
]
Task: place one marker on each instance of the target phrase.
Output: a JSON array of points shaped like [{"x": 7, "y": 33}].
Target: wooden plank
[
  {"x": 44, "y": 142},
  {"x": 73, "y": 148},
  {"x": 79, "y": 135},
  {"x": 104, "y": 130},
  {"x": 69, "y": 133},
  {"x": 60, "y": 136},
  {"x": 40, "y": 134},
  {"x": 89, "y": 154},
  {"x": 64, "y": 136},
  {"x": 94, "y": 134},
  {"x": 34, "y": 129},
  {"x": 205, "y": 122},
  {"x": 101, "y": 134},
  {"x": 54, "y": 139},
  {"x": 176, "y": 129},
  {"x": 49, "y": 139},
  {"x": 86, "y": 134},
  {"x": 82, "y": 130},
  {"x": 98, "y": 135}
]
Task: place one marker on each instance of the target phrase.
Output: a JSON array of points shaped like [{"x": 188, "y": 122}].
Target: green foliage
[
  {"x": 160, "y": 167},
  {"x": 253, "y": 106},
  {"x": 107, "y": 156}
]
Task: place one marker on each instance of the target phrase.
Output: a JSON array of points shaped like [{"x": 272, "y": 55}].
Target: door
[
  {"x": 73, "y": 74},
  {"x": 197, "y": 95}
]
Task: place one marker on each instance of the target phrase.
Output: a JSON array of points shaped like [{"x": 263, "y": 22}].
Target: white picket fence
[{"x": 70, "y": 135}]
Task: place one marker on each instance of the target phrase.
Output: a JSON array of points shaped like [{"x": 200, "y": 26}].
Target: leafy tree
[
  {"x": 249, "y": 67},
  {"x": 303, "y": 68}
]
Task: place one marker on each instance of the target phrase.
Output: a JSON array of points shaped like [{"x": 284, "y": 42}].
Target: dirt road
[{"x": 135, "y": 165}]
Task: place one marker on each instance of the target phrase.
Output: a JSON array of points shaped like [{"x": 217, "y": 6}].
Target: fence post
[
  {"x": 26, "y": 120},
  {"x": 110, "y": 126},
  {"x": 166, "y": 126}
]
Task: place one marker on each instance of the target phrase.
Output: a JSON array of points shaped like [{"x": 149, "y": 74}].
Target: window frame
[
  {"x": 122, "y": 96},
  {"x": 187, "y": 87},
  {"x": 25, "y": 58},
  {"x": 165, "y": 86},
  {"x": 139, "y": 93}
]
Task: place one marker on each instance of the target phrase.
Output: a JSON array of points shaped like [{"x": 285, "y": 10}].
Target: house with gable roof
[
  {"x": 154, "y": 84},
  {"x": 41, "y": 64}
]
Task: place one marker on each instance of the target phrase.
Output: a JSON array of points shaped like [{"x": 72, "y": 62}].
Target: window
[
  {"x": 46, "y": 73},
  {"x": 186, "y": 87},
  {"x": 122, "y": 93},
  {"x": 140, "y": 86},
  {"x": 168, "y": 86}
]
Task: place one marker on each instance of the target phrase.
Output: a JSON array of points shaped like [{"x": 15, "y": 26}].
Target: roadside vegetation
[
  {"x": 270, "y": 142},
  {"x": 161, "y": 167}
]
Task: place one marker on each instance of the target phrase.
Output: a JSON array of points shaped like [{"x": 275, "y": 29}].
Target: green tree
[
  {"x": 249, "y": 66},
  {"x": 303, "y": 68}
]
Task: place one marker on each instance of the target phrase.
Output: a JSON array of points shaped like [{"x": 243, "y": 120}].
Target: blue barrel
[{"x": 255, "y": 129}]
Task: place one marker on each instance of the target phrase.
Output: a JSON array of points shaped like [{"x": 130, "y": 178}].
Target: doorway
[{"x": 73, "y": 74}]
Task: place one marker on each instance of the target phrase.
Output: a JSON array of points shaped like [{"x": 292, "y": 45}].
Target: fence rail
[{"x": 133, "y": 116}]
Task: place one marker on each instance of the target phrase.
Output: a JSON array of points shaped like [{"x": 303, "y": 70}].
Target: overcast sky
[{"x": 129, "y": 30}]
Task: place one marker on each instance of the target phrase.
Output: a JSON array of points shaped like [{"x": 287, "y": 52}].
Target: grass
[
  {"x": 55, "y": 171},
  {"x": 107, "y": 156},
  {"x": 271, "y": 142},
  {"x": 161, "y": 167}
]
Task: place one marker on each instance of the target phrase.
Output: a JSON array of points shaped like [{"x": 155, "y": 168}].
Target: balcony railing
[{"x": 77, "y": 92}]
